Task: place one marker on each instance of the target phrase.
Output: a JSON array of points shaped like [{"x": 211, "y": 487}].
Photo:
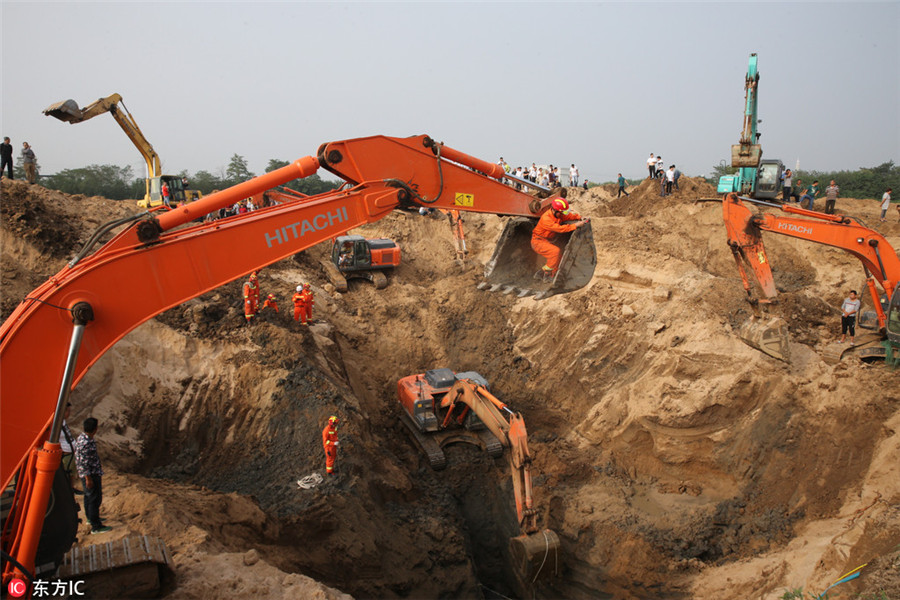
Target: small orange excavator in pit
[{"x": 441, "y": 407}]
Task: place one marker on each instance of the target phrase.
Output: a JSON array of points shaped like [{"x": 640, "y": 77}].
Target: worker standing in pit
[
  {"x": 558, "y": 219},
  {"x": 330, "y": 443},
  {"x": 251, "y": 298},
  {"x": 299, "y": 299},
  {"x": 308, "y": 303}
]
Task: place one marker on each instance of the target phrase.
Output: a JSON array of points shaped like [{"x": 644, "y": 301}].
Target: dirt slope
[{"x": 674, "y": 460}]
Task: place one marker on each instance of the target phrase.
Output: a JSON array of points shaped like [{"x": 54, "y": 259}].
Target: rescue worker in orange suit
[
  {"x": 300, "y": 310},
  {"x": 251, "y": 298},
  {"x": 307, "y": 303},
  {"x": 330, "y": 443},
  {"x": 557, "y": 219},
  {"x": 270, "y": 301}
]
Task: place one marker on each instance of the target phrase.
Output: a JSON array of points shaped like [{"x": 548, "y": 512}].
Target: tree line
[
  {"x": 121, "y": 183},
  {"x": 865, "y": 182}
]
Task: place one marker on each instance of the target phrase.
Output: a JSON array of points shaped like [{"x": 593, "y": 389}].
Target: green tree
[
  {"x": 237, "y": 170},
  {"x": 109, "y": 181},
  {"x": 311, "y": 185},
  {"x": 206, "y": 182}
]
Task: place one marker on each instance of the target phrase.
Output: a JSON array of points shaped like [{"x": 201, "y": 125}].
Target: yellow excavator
[{"x": 69, "y": 112}]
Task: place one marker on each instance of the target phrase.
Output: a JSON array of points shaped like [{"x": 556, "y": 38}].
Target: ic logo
[{"x": 17, "y": 588}]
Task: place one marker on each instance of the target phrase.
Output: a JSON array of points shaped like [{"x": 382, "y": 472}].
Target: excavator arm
[
  {"x": 535, "y": 549},
  {"x": 155, "y": 263},
  {"x": 879, "y": 260},
  {"x": 69, "y": 112},
  {"x": 745, "y": 229}
]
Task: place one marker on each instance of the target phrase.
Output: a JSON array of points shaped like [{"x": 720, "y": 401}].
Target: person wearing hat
[
  {"x": 251, "y": 298},
  {"x": 557, "y": 219},
  {"x": 303, "y": 303},
  {"x": 330, "y": 443},
  {"x": 270, "y": 301}
]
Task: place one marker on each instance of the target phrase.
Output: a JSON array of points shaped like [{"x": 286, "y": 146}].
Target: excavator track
[
  {"x": 138, "y": 566},
  {"x": 491, "y": 444},
  {"x": 335, "y": 276},
  {"x": 868, "y": 347},
  {"x": 432, "y": 449}
]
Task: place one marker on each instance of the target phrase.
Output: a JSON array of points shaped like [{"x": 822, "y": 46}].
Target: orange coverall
[
  {"x": 545, "y": 231},
  {"x": 303, "y": 303},
  {"x": 251, "y": 299},
  {"x": 270, "y": 301},
  {"x": 329, "y": 442}
]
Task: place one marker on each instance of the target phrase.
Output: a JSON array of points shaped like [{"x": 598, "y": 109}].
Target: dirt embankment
[{"x": 672, "y": 459}]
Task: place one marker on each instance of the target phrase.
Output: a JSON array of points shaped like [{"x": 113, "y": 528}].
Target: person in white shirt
[
  {"x": 848, "y": 316},
  {"x": 885, "y": 203},
  {"x": 573, "y": 175},
  {"x": 660, "y": 168},
  {"x": 651, "y": 166},
  {"x": 670, "y": 179}
]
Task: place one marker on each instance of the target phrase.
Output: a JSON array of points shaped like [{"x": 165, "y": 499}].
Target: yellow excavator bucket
[
  {"x": 535, "y": 556},
  {"x": 769, "y": 336},
  {"x": 513, "y": 264},
  {"x": 67, "y": 110}
]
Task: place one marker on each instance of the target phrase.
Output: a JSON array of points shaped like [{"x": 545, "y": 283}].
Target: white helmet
[{"x": 299, "y": 288}]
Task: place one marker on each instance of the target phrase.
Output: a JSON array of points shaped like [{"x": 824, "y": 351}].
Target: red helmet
[
  {"x": 559, "y": 204},
  {"x": 333, "y": 420},
  {"x": 253, "y": 275},
  {"x": 305, "y": 286}
]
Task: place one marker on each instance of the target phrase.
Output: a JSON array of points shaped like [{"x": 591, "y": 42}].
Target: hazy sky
[{"x": 601, "y": 85}]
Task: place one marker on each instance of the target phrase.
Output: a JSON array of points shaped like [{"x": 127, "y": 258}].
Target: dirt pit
[{"x": 673, "y": 460}]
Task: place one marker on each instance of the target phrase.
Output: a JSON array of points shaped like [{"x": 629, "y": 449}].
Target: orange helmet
[
  {"x": 253, "y": 275},
  {"x": 333, "y": 420},
  {"x": 559, "y": 204}
]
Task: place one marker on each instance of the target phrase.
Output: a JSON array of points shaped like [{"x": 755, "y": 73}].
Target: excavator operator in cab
[{"x": 557, "y": 219}]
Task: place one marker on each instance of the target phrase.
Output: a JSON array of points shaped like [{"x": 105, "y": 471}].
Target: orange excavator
[
  {"x": 441, "y": 407},
  {"x": 880, "y": 263},
  {"x": 157, "y": 260}
]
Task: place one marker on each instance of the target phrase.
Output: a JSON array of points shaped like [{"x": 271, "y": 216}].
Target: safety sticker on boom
[{"x": 463, "y": 199}]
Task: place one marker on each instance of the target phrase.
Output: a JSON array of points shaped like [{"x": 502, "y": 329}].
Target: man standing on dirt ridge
[
  {"x": 6, "y": 161},
  {"x": 651, "y": 166},
  {"x": 549, "y": 225},
  {"x": 831, "y": 194},
  {"x": 29, "y": 163}
]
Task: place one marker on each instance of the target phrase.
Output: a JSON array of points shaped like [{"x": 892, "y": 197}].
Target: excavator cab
[{"x": 513, "y": 264}]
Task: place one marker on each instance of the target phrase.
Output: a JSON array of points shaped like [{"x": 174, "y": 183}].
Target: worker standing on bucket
[
  {"x": 251, "y": 298},
  {"x": 558, "y": 219},
  {"x": 330, "y": 443}
]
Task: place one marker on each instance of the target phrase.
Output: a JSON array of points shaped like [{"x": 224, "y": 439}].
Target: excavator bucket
[
  {"x": 770, "y": 337},
  {"x": 535, "y": 556},
  {"x": 67, "y": 110},
  {"x": 513, "y": 265}
]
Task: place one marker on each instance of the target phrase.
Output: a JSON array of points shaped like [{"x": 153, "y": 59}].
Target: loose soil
[{"x": 673, "y": 460}]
